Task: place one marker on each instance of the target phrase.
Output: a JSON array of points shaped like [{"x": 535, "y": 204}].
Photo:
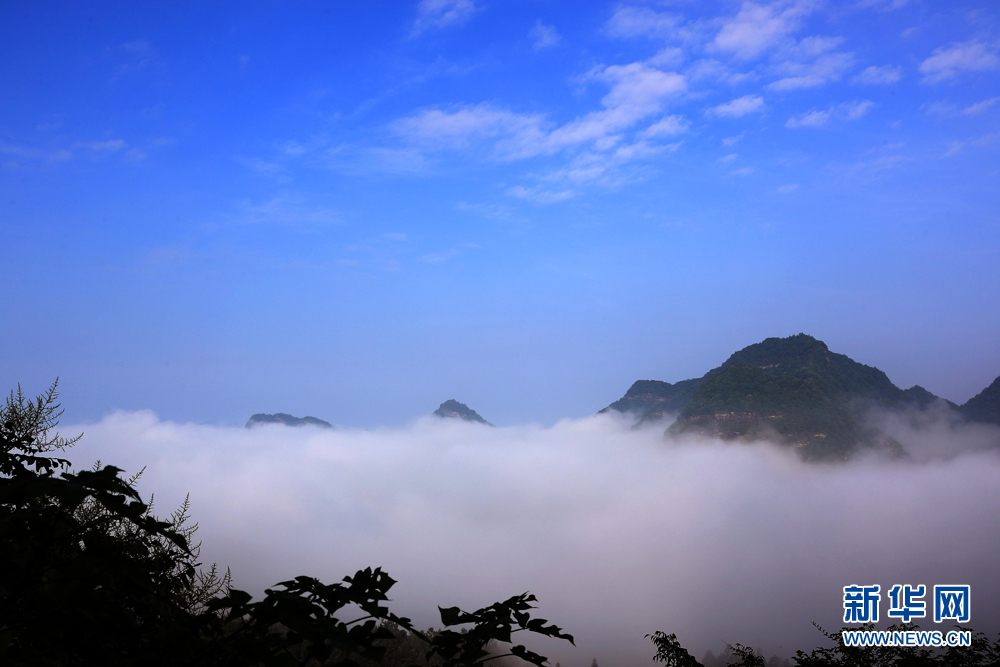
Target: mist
[{"x": 617, "y": 532}]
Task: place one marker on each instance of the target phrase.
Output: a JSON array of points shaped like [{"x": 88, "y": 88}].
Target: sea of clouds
[{"x": 618, "y": 532}]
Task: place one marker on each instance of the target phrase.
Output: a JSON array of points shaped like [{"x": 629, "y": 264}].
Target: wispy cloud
[
  {"x": 442, "y": 14},
  {"x": 464, "y": 126},
  {"x": 956, "y": 147},
  {"x": 136, "y": 54},
  {"x": 640, "y": 21},
  {"x": 102, "y": 148},
  {"x": 818, "y": 118},
  {"x": 948, "y": 109},
  {"x": 106, "y": 146},
  {"x": 883, "y": 5},
  {"x": 980, "y": 107},
  {"x": 544, "y": 36},
  {"x": 637, "y": 92},
  {"x": 288, "y": 209},
  {"x": 824, "y": 69},
  {"x": 785, "y": 189},
  {"x": 540, "y": 195},
  {"x": 757, "y": 28},
  {"x": 445, "y": 255},
  {"x": 947, "y": 62},
  {"x": 739, "y": 107},
  {"x": 878, "y": 76},
  {"x": 669, "y": 126}
]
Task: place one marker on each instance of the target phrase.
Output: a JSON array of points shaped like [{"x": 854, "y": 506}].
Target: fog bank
[{"x": 617, "y": 532}]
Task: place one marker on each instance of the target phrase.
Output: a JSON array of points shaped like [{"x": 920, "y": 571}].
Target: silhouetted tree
[{"x": 88, "y": 576}]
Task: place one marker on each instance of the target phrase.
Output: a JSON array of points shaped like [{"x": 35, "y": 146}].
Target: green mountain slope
[
  {"x": 652, "y": 399},
  {"x": 790, "y": 390}
]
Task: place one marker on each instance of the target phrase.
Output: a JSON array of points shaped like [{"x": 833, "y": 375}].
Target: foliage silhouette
[{"x": 88, "y": 576}]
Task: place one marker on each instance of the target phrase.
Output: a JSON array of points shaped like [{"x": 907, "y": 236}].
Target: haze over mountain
[
  {"x": 452, "y": 409},
  {"x": 792, "y": 391}
]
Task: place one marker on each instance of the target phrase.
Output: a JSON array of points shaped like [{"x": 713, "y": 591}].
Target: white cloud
[
  {"x": 637, "y": 91},
  {"x": 742, "y": 171},
  {"x": 980, "y": 107},
  {"x": 757, "y": 28},
  {"x": 710, "y": 68},
  {"x": 731, "y": 141},
  {"x": 811, "y": 47},
  {"x": 442, "y": 13},
  {"x": 668, "y": 126},
  {"x": 813, "y": 118},
  {"x": 946, "y": 63},
  {"x": 875, "y": 76},
  {"x": 460, "y": 128},
  {"x": 544, "y": 36},
  {"x": 595, "y": 144},
  {"x": 940, "y": 108},
  {"x": 667, "y": 58},
  {"x": 785, "y": 189},
  {"x": 846, "y": 111},
  {"x": 726, "y": 159},
  {"x": 856, "y": 109},
  {"x": 826, "y": 68},
  {"x": 635, "y": 21},
  {"x": 607, "y": 167},
  {"x": 738, "y": 107}
]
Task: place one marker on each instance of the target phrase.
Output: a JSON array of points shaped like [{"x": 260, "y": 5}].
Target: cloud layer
[{"x": 618, "y": 532}]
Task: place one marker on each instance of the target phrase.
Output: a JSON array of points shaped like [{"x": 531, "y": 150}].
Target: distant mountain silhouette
[
  {"x": 984, "y": 406},
  {"x": 286, "y": 419},
  {"x": 452, "y": 409},
  {"x": 794, "y": 391}
]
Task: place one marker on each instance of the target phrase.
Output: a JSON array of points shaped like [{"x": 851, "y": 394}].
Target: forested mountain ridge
[
  {"x": 795, "y": 391},
  {"x": 286, "y": 419}
]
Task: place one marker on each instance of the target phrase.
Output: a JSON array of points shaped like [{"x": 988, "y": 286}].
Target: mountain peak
[
  {"x": 792, "y": 390},
  {"x": 452, "y": 409}
]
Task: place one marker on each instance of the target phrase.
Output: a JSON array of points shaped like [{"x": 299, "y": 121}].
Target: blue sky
[{"x": 359, "y": 210}]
